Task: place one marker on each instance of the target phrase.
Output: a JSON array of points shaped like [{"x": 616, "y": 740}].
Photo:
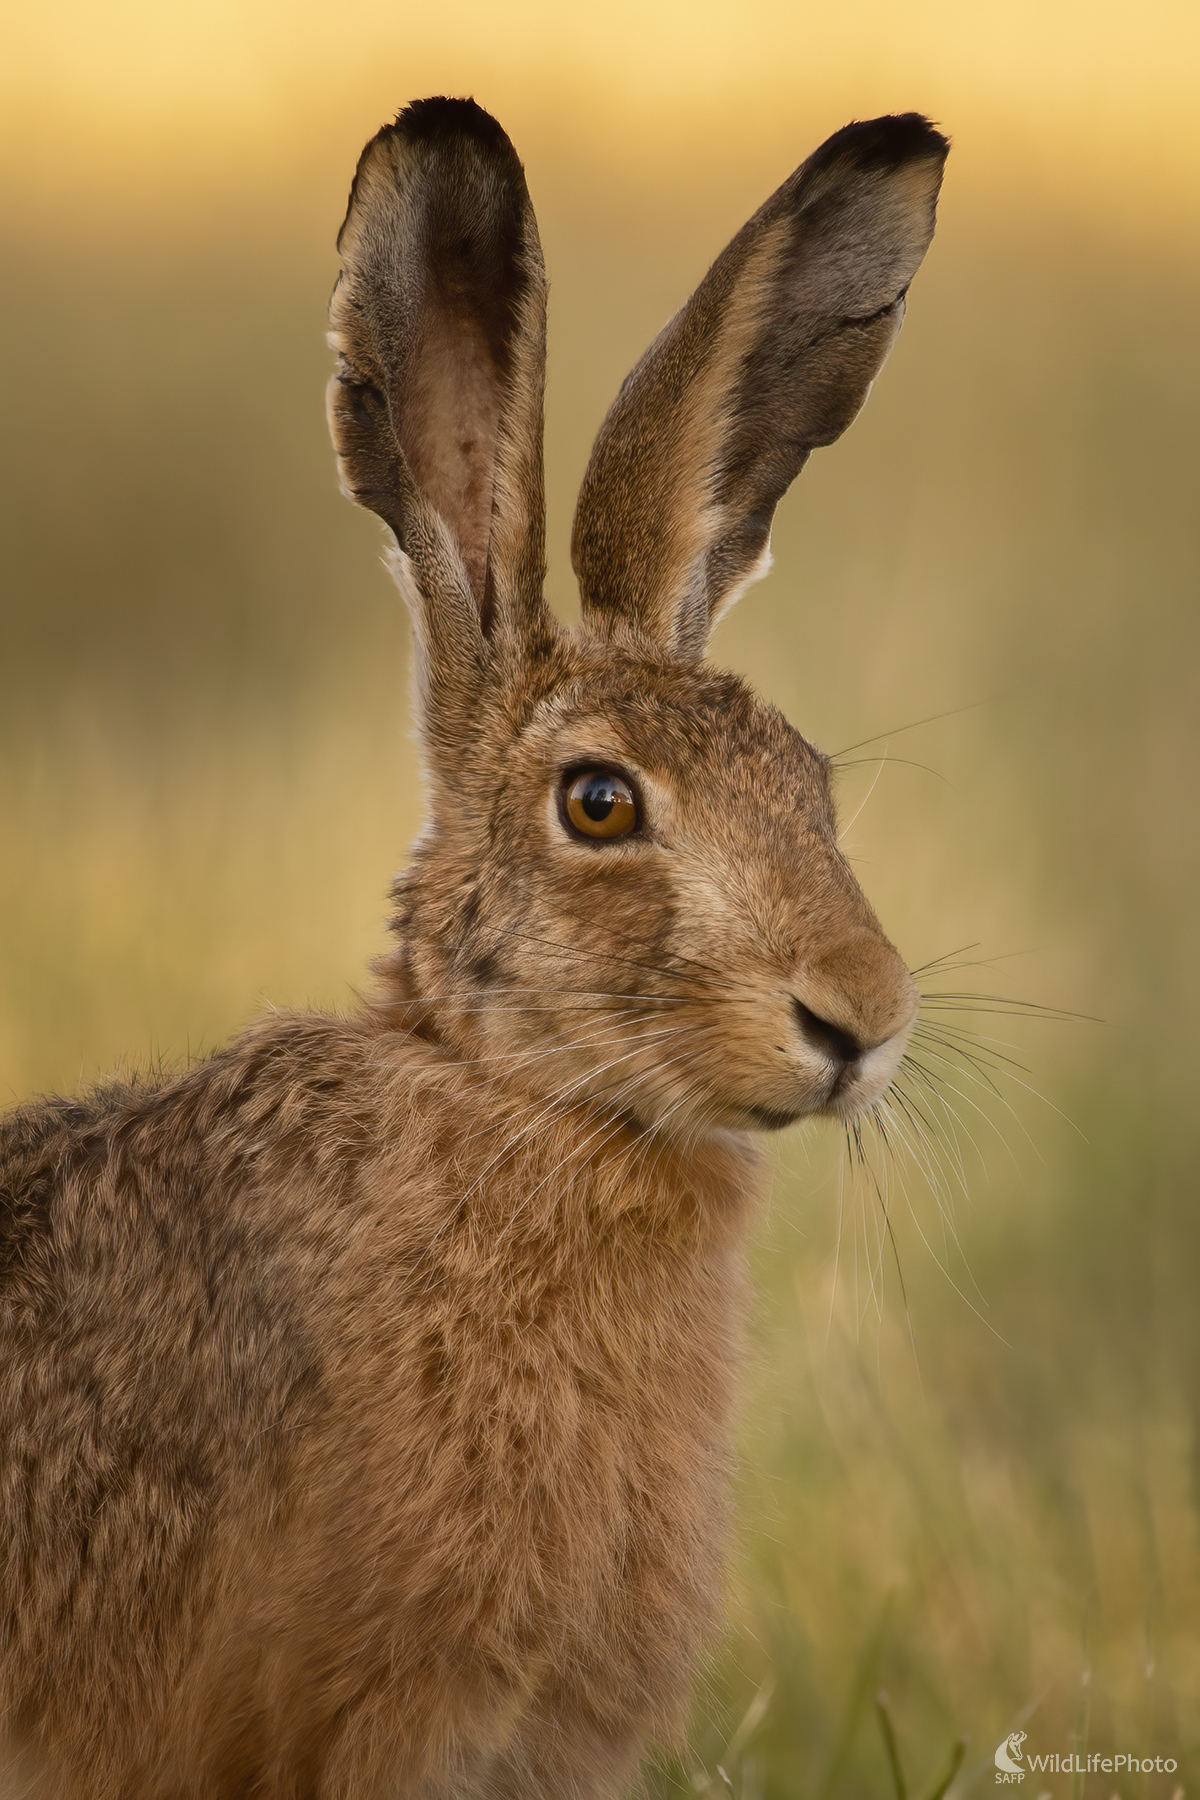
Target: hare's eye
[{"x": 600, "y": 804}]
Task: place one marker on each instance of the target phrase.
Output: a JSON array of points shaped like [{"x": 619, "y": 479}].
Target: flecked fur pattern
[{"x": 366, "y": 1390}]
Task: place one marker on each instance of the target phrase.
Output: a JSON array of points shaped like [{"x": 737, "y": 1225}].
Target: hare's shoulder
[{"x": 193, "y": 1169}]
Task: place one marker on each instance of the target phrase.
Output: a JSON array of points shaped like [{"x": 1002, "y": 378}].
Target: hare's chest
[
  {"x": 548, "y": 1502},
  {"x": 581, "y": 1437}
]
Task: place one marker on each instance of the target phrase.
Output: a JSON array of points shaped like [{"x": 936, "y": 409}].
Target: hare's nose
[{"x": 824, "y": 1035}]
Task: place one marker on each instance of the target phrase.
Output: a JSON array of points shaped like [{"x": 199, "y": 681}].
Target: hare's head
[{"x": 629, "y": 890}]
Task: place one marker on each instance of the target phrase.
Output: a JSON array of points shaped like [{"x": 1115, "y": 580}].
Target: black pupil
[{"x": 599, "y": 797}]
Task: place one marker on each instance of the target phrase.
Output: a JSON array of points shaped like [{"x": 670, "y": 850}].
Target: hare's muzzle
[{"x": 857, "y": 1036}]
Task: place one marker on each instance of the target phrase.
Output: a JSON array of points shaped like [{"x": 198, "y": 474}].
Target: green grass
[{"x": 969, "y": 1460}]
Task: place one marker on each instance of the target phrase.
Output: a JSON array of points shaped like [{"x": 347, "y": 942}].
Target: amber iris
[{"x": 601, "y": 805}]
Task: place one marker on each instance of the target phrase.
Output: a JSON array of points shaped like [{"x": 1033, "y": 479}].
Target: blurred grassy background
[{"x": 980, "y": 1490}]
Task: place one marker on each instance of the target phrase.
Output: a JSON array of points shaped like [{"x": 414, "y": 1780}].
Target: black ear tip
[
  {"x": 438, "y": 133},
  {"x": 884, "y": 144},
  {"x": 441, "y": 119}
]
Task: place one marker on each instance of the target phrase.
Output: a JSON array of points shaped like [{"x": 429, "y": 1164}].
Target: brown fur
[{"x": 365, "y": 1391}]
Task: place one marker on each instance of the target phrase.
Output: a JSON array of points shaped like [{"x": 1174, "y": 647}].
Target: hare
[{"x": 366, "y": 1390}]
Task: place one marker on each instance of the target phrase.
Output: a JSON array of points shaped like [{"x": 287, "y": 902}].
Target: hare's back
[{"x": 156, "y": 1356}]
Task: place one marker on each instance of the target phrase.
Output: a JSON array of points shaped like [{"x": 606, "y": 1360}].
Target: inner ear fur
[
  {"x": 772, "y": 356},
  {"x": 438, "y": 318}
]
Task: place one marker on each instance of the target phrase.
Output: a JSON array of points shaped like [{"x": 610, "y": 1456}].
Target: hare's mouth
[
  {"x": 841, "y": 1077},
  {"x": 858, "y": 1085}
]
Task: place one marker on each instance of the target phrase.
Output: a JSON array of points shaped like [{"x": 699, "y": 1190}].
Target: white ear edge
[
  {"x": 400, "y": 568},
  {"x": 457, "y": 603},
  {"x": 759, "y": 568}
]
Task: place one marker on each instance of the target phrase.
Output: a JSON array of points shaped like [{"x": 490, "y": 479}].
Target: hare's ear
[
  {"x": 773, "y": 355},
  {"x": 439, "y": 318}
]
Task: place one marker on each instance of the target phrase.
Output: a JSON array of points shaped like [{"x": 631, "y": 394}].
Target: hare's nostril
[{"x": 822, "y": 1035}]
